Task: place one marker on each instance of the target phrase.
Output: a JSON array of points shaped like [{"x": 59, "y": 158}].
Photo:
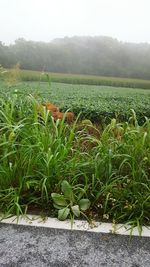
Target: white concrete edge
[{"x": 95, "y": 227}]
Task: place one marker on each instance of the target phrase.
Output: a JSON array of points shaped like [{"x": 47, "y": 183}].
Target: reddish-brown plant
[
  {"x": 51, "y": 107},
  {"x": 59, "y": 115},
  {"x": 69, "y": 117}
]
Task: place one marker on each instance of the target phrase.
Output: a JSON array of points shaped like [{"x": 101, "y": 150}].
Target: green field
[
  {"x": 80, "y": 169},
  {"x": 97, "y": 103},
  {"x": 28, "y": 75}
]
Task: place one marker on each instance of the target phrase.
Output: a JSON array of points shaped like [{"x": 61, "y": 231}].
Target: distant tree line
[{"x": 102, "y": 56}]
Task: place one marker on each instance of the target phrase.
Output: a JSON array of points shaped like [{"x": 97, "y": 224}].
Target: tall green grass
[{"x": 109, "y": 168}]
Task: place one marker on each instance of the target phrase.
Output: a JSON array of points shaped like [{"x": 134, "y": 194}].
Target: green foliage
[
  {"x": 96, "y": 103},
  {"x": 77, "y": 169},
  {"x": 69, "y": 203}
]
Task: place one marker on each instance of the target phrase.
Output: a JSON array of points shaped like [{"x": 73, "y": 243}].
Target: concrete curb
[{"x": 95, "y": 227}]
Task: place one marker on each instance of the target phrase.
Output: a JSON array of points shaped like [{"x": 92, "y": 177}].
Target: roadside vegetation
[{"x": 97, "y": 169}]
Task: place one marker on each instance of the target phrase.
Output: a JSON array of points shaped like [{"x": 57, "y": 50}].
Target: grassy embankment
[{"x": 77, "y": 170}]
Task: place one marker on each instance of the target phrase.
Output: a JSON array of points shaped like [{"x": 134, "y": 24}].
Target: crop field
[
  {"x": 97, "y": 103},
  {"x": 29, "y": 75},
  {"x": 80, "y": 169}
]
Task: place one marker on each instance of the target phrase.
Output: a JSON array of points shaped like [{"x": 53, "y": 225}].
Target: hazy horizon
[
  {"x": 124, "y": 20},
  {"x": 74, "y": 36}
]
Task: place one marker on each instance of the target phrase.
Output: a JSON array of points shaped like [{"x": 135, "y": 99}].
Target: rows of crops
[
  {"x": 28, "y": 75},
  {"x": 98, "y": 103}
]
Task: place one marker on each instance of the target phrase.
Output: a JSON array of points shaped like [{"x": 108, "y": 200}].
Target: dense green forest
[{"x": 103, "y": 56}]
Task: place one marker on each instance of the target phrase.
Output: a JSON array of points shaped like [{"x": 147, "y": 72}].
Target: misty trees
[
  {"x": 6, "y": 57},
  {"x": 86, "y": 55}
]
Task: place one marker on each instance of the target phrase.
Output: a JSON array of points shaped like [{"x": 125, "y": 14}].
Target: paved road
[{"x": 29, "y": 246}]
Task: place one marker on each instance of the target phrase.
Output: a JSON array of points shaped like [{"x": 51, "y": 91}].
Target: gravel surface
[{"x": 29, "y": 246}]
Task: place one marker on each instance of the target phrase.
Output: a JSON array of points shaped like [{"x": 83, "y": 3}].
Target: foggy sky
[{"x": 44, "y": 20}]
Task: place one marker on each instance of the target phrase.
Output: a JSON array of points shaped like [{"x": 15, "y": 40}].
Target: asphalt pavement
[{"x": 29, "y": 246}]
